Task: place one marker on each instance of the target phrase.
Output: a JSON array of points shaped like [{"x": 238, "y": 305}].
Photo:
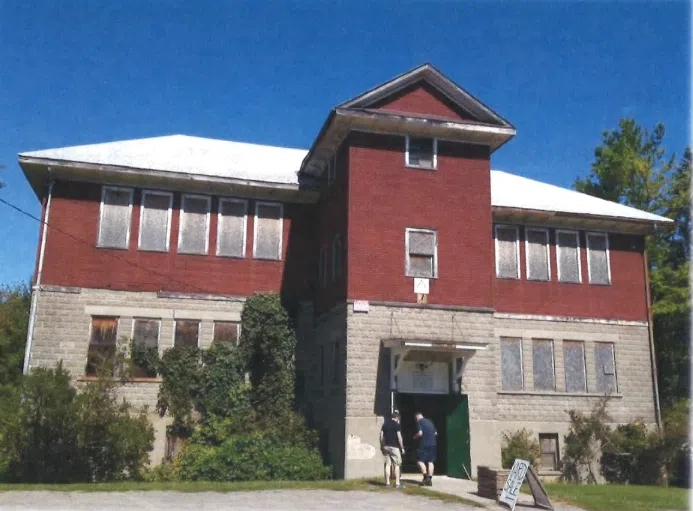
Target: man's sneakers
[
  {"x": 399, "y": 486},
  {"x": 427, "y": 481}
]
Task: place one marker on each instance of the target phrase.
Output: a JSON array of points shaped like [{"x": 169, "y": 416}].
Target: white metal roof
[
  {"x": 189, "y": 155},
  {"x": 221, "y": 158},
  {"x": 511, "y": 191}
]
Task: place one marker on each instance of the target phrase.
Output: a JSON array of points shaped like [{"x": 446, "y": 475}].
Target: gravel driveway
[{"x": 303, "y": 500}]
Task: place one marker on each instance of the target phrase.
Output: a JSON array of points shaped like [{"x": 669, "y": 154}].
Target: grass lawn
[
  {"x": 350, "y": 485},
  {"x": 610, "y": 497}
]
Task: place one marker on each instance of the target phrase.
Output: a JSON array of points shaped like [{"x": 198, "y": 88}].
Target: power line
[{"x": 114, "y": 256}]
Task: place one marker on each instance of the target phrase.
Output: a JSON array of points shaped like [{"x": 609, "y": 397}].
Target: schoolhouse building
[{"x": 418, "y": 277}]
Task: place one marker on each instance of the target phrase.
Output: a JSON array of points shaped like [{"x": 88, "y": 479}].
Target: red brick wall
[
  {"x": 423, "y": 99},
  {"x": 331, "y": 217},
  {"x": 624, "y": 299},
  {"x": 75, "y": 210},
  {"x": 385, "y": 198}
]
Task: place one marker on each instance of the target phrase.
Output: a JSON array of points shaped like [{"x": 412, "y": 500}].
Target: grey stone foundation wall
[
  {"x": 492, "y": 411},
  {"x": 63, "y": 323}
]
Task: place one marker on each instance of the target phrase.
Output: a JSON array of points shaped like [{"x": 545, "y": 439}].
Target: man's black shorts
[{"x": 427, "y": 454}]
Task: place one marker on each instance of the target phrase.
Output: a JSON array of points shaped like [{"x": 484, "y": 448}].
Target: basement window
[
  {"x": 232, "y": 227},
  {"x": 102, "y": 345},
  {"x": 537, "y": 253},
  {"x": 421, "y": 253},
  {"x": 568, "y": 256},
  {"x": 115, "y": 217},
  {"x": 574, "y": 364},
  {"x": 605, "y": 366},
  {"x": 542, "y": 362},
  {"x": 598, "y": 267},
  {"x": 227, "y": 332},
  {"x": 155, "y": 221},
  {"x": 550, "y": 458},
  {"x": 187, "y": 333},
  {"x": 268, "y": 231},
  {"x": 507, "y": 252},
  {"x": 421, "y": 153},
  {"x": 512, "y": 377},
  {"x": 193, "y": 233}
]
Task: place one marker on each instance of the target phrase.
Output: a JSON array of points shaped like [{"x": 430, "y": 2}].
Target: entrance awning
[{"x": 435, "y": 345}]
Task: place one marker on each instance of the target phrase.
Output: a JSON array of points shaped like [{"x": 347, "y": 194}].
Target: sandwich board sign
[{"x": 523, "y": 470}]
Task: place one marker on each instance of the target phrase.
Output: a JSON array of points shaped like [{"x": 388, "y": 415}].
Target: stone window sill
[
  {"x": 130, "y": 380},
  {"x": 555, "y": 394}
]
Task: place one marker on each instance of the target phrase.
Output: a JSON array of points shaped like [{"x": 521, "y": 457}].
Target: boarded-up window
[
  {"x": 336, "y": 257},
  {"x": 598, "y": 259},
  {"x": 507, "y": 252},
  {"x": 187, "y": 332},
  {"x": 422, "y": 250},
  {"x": 537, "y": 246},
  {"x": 227, "y": 332},
  {"x": 549, "y": 451},
  {"x": 421, "y": 152},
  {"x": 155, "y": 221},
  {"x": 511, "y": 364},
  {"x": 542, "y": 361},
  {"x": 193, "y": 235},
  {"x": 231, "y": 227},
  {"x": 574, "y": 364},
  {"x": 116, "y": 213},
  {"x": 568, "y": 255},
  {"x": 146, "y": 333},
  {"x": 268, "y": 231},
  {"x": 605, "y": 366},
  {"x": 102, "y": 344}
]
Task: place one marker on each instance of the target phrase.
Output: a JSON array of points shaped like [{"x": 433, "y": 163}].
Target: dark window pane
[
  {"x": 422, "y": 243},
  {"x": 226, "y": 332},
  {"x": 186, "y": 333},
  {"x": 102, "y": 345},
  {"x": 147, "y": 332},
  {"x": 549, "y": 450},
  {"x": 421, "y": 266},
  {"x": 421, "y": 152}
]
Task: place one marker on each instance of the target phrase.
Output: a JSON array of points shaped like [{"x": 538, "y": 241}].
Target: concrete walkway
[{"x": 467, "y": 490}]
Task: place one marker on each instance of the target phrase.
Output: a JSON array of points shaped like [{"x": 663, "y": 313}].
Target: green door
[{"x": 457, "y": 425}]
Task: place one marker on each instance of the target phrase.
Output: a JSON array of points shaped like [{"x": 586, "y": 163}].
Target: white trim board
[{"x": 567, "y": 319}]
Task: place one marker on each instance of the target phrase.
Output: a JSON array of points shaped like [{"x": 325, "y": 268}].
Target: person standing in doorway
[
  {"x": 427, "y": 448},
  {"x": 392, "y": 447}
]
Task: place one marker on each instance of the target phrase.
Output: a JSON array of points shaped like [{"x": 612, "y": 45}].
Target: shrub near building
[{"x": 238, "y": 431}]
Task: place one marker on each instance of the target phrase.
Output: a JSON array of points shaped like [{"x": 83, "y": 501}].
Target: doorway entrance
[{"x": 450, "y": 415}]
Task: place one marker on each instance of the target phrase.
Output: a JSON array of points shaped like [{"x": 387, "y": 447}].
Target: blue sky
[{"x": 79, "y": 72}]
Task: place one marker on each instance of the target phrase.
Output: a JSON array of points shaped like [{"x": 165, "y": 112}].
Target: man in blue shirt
[{"x": 427, "y": 448}]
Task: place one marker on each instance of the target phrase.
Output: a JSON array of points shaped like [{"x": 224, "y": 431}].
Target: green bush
[
  {"x": 53, "y": 434},
  {"x": 520, "y": 445},
  {"x": 586, "y": 437},
  {"x": 252, "y": 457},
  {"x": 145, "y": 360},
  {"x": 633, "y": 455}
]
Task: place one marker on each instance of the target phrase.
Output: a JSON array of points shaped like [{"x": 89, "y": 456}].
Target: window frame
[
  {"x": 168, "y": 223},
  {"x": 522, "y": 363},
  {"x": 407, "y": 255},
  {"x": 604, "y": 235},
  {"x": 238, "y": 330},
  {"x": 558, "y": 256},
  {"x": 135, "y": 319},
  {"x": 220, "y": 225},
  {"x": 546, "y": 231},
  {"x": 556, "y": 453},
  {"x": 181, "y": 218},
  {"x": 517, "y": 250},
  {"x": 131, "y": 192},
  {"x": 613, "y": 357},
  {"x": 553, "y": 364},
  {"x": 435, "y": 154},
  {"x": 199, "y": 326},
  {"x": 280, "y": 205},
  {"x": 584, "y": 367},
  {"x": 337, "y": 263}
]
